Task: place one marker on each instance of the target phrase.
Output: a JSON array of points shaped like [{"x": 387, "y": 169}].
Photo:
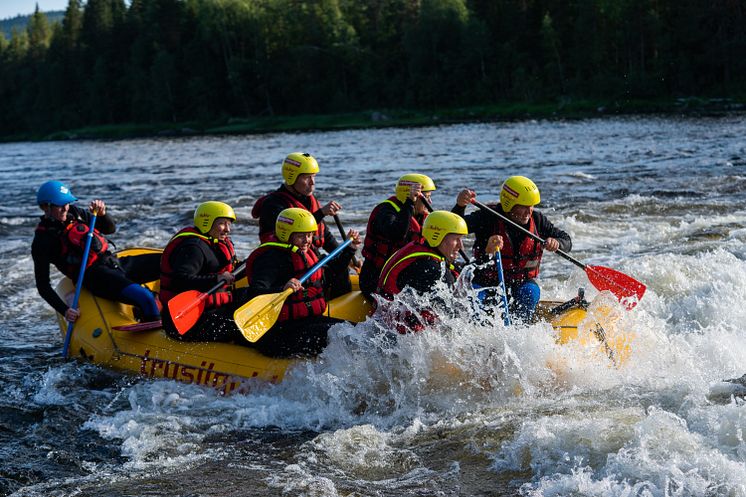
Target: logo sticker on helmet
[
  {"x": 286, "y": 220},
  {"x": 292, "y": 162},
  {"x": 203, "y": 219},
  {"x": 510, "y": 191}
]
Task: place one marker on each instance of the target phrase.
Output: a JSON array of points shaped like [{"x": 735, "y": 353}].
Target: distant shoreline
[{"x": 572, "y": 109}]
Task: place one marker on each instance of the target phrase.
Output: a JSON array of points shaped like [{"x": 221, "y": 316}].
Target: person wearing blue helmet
[{"x": 60, "y": 239}]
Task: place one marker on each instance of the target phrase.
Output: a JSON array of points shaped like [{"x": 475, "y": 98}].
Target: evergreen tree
[
  {"x": 71, "y": 25},
  {"x": 112, "y": 61},
  {"x": 554, "y": 67},
  {"x": 39, "y": 34},
  {"x": 434, "y": 47}
]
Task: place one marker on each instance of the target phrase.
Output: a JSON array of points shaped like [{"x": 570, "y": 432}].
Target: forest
[{"x": 110, "y": 62}]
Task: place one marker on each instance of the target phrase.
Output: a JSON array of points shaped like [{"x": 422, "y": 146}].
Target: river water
[{"x": 660, "y": 199}]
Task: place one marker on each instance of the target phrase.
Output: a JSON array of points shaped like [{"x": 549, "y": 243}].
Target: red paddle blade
[
  {"x": 186, "y": 309},
  {"x": 628, "y": 290}
]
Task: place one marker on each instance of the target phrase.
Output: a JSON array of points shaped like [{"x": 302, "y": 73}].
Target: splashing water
[{"x": 467, "y": 407}]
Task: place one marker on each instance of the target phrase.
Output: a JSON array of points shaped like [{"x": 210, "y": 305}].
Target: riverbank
[{"x": 566, "y": 109}]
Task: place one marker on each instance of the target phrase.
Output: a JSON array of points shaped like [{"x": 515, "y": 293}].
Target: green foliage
[
  {"x": 71, "y": 25},
  {"x": 39, "y": 34},
  {"x": 21, "y": 22},
  {"x": 143, "y": 62}
]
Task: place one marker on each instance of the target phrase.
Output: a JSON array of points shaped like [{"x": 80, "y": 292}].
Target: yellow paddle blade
[{"x": 257, "y": 316}]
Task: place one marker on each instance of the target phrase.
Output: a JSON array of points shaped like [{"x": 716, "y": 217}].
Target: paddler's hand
[
  {"x": 98, "y": 206},
  {"x": 465, "y": 197},
  {"x": 494, "y": 243},
  {"x": 226, "y": 277},
  {"x": 294, "y": 284},
  {"x": 551, "y": 244},
  {"x": 71, "y": 315},
  {"x": 331, "y": 208},
  {"x": 355, "y": 237}
]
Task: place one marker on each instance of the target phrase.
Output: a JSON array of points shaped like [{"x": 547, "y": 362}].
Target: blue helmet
[{"x": 55, "y": 193}]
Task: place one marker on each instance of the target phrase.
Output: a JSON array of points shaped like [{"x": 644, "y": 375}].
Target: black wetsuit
[
  {"x": 483, "y": 223},
  {"x": 388, "y": 224},
  {"x": 105, "y": 278},
  {"x": 194, "y": 266},
  {"x": 423, "y": 274},
  {"x": 307, "y": 336},
  {"x": 522, "y": 290},
  {"x": 271, "y": 207},
  {"x": 274, "y": 204}
]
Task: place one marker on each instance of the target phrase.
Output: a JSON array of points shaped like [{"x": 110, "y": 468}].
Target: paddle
[
  {"x": 187, "y": 307},
  {"x": 429, "y": 207},
  {"x": 79, "y": 284},
  {"x": 257, "y": 316},
  {"x": 603, "y": 278},
  {"x": 344, "y": 239},
  {"x": 499, "y": 262},
  {"x": 146, "y": 326}
]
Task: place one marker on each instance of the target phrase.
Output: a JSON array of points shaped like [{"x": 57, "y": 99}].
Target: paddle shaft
[
  {"x": 79, "y": 284},
  {"x": 603, "y": 278},
  {"x": 343, "y": 235},
  {"x": 268, "y": 306},
  {"x": 323, "y": 261},
  {"x": 499, "y": 261},
  {"x": 429, "y": 207},
  {"x": 206, "y": 294},
  {"x": 535, "y": 237}
]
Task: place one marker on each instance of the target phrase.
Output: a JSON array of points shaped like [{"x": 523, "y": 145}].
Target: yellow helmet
[
  {"x": 404, "y": 185},
  {"x": 298, "y": 163},
  {"x": 207, "y": 212},
  {"x": 294, "y": 220},
  {"x": 440, "y": 223},
  {"x": 518, "y": 190}
]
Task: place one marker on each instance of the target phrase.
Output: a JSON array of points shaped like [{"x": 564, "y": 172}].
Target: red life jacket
[
  {"x": 378, "y": 249},
  {"x": 518, "y": 265},
  {"x": 304, "y": 303},
  {"x": 224, "y": 253},
  {"x": 72, "y": 239},
  {"x": 290, "y": 201},
  {"x": 388, "y": 286}
]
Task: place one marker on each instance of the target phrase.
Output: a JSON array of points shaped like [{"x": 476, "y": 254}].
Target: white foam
[{"x": 634, "y": 194}]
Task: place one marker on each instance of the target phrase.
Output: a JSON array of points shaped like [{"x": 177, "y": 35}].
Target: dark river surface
[{"x": 661, "y": 199}]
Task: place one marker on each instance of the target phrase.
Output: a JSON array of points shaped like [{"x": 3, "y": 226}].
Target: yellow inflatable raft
[{"x": 97, "y": 338}]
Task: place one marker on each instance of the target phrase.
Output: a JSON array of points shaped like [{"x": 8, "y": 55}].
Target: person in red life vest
[
  {"x": 60, "y": 240},
  {"x": 393, "y": 223},
  {"x": 521, "y": 254},
  {"x": 278, "y": 264},
  {"x": 198, "y": 258},
  {"x": 299, "y": 172},
  {"x": 421, "y": 264}
]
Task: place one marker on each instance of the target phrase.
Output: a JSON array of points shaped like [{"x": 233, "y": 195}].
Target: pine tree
[
  {"x": 39, "y": 34},
  {"x": 72, "y": 24}
]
